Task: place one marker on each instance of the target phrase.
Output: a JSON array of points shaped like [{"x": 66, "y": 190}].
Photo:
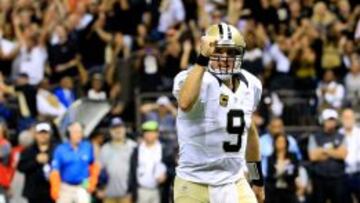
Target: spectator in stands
[
  {"x": 25, "y": 140},
  {"x": 171, "y": 13},
  {"x": 275, "y": 128},
  {"x": 26, "y": 96},
  {"x": 74, "y": 171},
  {"x": 282, "y": 172},
  {"x": 278, "y": 54},
  {"x": 343, "y": 10},
  {"x": 96, "y": 91},
  {"x": 8, "y": 50},
  {"x": 327, "y": 153},
  {"x": 331, "y": 54},
  {"x": 48, "y": 105},
  {"x": 163, "y": 111},
  {"x": 253, "y": 55},
  {"x": 148, "y": 162},
  {"x": 147, "y": 65},
  {"x": 322, "y": 17},
  {"x": 63, "y": 56},
  {"x": 352, "y": 81},
  {"x": 140, "y": 38},
  {"x": 92, "y": 42},
  {"x": 304, "y": 64},
  {"x": 35, "y": 164},
  {"x": 171, "y": 64},
  {"x": 83, "y": 13},
  {"x": 295, "y": 8},
  {"x": 5, "y": 149},
  {"x": 65, "y": 92},
  {"x": 352, "y": 160},
  {"x": 329, "y": 92},
  {"x": 347, "y": 51},
  {"x": 115, "y": 158},
  {"x": 117, "y": 49},
  {"x": 32, "y": 56}
]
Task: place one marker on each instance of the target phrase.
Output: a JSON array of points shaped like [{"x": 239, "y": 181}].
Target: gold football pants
[{"x": 190, "y": 192}]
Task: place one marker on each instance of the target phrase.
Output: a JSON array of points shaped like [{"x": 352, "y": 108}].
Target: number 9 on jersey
[{"x": 235, "y": 125}]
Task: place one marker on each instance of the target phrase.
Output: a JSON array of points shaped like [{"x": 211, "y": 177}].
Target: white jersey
[{"x": 213, "y": 134}]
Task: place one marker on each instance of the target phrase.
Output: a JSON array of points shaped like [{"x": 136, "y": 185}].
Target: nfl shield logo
[{"x": 224, "y": 99}]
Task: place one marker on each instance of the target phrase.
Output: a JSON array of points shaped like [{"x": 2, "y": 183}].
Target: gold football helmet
[{"x": 229, "y": 50}]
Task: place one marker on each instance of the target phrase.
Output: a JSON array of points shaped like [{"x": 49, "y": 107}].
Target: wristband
[
  {"x": 255, "y": 173},
  {"x": 202, "y": 60}
]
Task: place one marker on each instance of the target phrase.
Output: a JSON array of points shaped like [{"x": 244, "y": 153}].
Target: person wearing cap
[
  {"x": 75, "y": 172},
  {"x": 352, "y": 161},
  {"x": 115, "y": 162},
  {"x": 163, "y": 111},
  {"x": 327, "y": 153},
  {"x": 35, "y": 164},
  {"x": 148, "y": 163}
]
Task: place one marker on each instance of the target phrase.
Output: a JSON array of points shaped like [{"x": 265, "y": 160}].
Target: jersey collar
[{"x": 240, "y": 76}]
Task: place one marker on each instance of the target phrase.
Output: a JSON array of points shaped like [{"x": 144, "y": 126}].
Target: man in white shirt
[
  {"x": 33, "y": 54},
  {"x": 150, "y": 170},
  {"x": 32, "y": 62},
  {"x": 352, "y": 160}
]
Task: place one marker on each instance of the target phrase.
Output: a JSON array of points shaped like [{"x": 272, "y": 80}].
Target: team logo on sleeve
[{"x": 224, "y": 99}]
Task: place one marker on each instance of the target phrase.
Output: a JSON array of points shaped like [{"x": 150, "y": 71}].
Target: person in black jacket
[
  {"x": 282, "y": 172},
  {"x": 35, "y": 164},
  {"x": 327, "y": 153}
]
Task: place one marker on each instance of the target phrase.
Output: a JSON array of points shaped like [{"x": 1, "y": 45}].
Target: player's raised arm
[{"x": 190, "y": 90}]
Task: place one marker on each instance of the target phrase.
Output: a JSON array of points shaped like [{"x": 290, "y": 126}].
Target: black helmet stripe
[
  {"x": 221, "y": 31},
  {"x": 229, "y": 31}
]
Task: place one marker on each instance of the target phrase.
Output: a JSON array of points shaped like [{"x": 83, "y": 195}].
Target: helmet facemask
[{"x": 226, "y": 60}]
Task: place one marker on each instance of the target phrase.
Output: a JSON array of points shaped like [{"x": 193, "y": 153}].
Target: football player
[{"x": 218, "y": 140}]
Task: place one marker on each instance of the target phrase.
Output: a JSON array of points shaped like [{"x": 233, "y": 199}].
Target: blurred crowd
[{"x": 54, "y": 52}]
